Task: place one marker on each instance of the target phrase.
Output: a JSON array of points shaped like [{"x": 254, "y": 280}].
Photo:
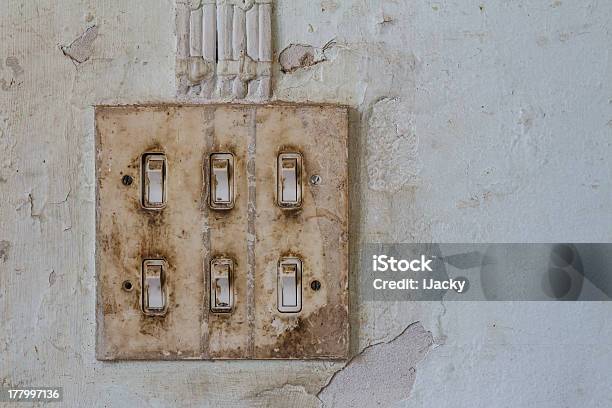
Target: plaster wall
[{"x": 473, "y": 121}]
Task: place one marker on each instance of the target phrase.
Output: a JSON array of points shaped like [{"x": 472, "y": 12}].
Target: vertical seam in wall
[
  {"x": 210, "y": 119},
  {"x": 251, "y": 236},
  {"x": 99, "y": 300}
]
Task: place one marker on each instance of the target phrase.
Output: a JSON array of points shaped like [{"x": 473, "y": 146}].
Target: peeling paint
[
  {"x": 298, "y": 56},
  {"x": 433, "y": 59},
  {"x": 381, "y": 374},
  {"x": 80, "y": 50}
]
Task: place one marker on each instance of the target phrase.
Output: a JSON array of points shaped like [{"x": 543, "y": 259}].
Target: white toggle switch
[
  {"x": 221, "y": 291},
  {"x": 289, "y": 180},
  {"x": 154, "y": 181},
  {"x": 221, "y": 181},
  {"x": 289, "y": 285},
  {"x": 153, "y": 287}
]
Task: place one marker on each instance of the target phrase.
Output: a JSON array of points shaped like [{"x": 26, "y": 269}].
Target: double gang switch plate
[{"x": 221, "y": 232}]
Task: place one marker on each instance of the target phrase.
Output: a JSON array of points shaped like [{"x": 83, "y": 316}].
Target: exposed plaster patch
[
  {"x": 392, "y": 149},
  {"x": 381, "y": 374},
  {"x": 296, "y": 56},
  {"x": 80, "y": 50},
  {"x": 5, "y": 248}
]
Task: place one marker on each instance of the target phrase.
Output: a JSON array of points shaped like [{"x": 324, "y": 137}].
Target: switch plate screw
[
  {"x": 127, "y": 286},
  {"x": 127, "y": 180},
  {"x": 315, "y": 285}
]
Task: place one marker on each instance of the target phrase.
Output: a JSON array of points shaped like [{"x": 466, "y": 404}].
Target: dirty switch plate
[{"x": 256, "y": 192}]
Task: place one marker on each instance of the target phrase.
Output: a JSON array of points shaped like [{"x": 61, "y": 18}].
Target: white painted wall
[{"x": 499, "y": 118}]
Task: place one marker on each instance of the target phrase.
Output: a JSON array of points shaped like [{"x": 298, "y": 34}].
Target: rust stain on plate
[{"x": 187, "y": 234}]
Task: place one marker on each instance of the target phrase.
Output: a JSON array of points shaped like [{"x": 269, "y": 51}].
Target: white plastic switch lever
[
  {"x": 289, "y": 180},
  {"x": 154, "y": 181},
  {"x": 221, "y": 181},
  {"x": 221, "y": 291},
  {"x": 289, "y": 285},
  {"x": 153, "y": 287}
]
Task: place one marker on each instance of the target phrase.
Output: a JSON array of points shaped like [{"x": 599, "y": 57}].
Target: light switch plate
[{"x": 255, "y": 234}]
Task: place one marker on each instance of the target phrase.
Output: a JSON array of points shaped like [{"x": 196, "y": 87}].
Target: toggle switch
[
  {"x": 289, "y": 285},
  {"x": 154, "y": 174},
  {"x": 289, "y": 180},
  {"x": 221, "y": 290},
  {"x": 153, "y": 287},
  {"x": 221, "y": 181}
]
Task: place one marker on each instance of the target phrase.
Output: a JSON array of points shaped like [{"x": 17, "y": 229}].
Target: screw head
[
  {"x": 127, "y": 286},
  {"x": 127, "y": 180},
  {"x": 315, "y": 285},
  {"x": 315, "y": 180}
]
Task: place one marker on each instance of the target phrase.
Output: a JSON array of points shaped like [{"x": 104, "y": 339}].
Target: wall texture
[{"x": 473, "y": 121}]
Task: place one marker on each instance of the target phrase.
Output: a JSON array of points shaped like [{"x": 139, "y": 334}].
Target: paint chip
[
  {"x": 80, "y": 50},
  {"x": 382, "y": 374},
  {"x": 298, "y": 56}
]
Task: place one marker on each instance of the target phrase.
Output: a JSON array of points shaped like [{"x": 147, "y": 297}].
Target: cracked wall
[{"x": 497, "y": 115}]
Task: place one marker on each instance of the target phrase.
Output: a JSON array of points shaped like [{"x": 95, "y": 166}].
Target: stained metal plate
[{"x": 255, "y": 234}]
